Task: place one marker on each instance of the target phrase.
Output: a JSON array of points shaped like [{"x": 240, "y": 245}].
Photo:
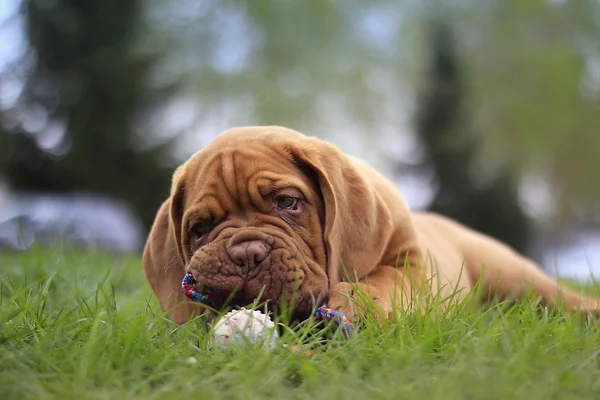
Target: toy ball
[{"x": 242, "y": 327}]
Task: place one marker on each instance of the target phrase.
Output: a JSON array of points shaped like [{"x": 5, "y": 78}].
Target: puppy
[{"x": 267, "y": 211}]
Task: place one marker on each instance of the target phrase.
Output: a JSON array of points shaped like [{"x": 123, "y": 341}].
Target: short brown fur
[{"x": 353, "y": 223}]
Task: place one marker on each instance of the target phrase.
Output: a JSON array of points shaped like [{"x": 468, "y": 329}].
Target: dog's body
[{"x": 267, "y": 210}]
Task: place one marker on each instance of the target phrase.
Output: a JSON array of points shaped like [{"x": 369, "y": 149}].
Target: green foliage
[
  {"x": 85, "y": 325},
  {"x": 533, "y": 76},
  {"x": 295, "y": 62}
]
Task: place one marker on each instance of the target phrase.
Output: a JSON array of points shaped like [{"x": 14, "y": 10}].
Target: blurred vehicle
[{"x": 78, "y": 220}]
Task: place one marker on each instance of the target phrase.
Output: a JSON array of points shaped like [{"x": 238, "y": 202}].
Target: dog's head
[{"x": 268, "y": 211}]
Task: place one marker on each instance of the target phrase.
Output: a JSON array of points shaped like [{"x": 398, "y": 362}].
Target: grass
[{"x": 85, "y": 325}]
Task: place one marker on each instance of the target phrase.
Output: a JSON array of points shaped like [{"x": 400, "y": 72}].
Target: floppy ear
[
  {"x": 358, "y": 223},
  {"x": 163, "y": 257},
  {"x": 176, "y": 200}
]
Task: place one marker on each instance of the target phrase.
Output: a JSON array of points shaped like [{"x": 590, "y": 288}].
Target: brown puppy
[{"x": 268, "y": 211}]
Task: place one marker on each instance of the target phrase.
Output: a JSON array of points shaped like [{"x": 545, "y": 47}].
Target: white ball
[{"x": 244, "y": 326}]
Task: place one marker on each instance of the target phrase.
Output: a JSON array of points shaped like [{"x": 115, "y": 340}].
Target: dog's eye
[
  {"x": 200, "y": 228},
  {"x": 287, "y": 202}
]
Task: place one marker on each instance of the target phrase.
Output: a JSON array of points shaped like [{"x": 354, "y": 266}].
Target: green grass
[{"x": 85, "y": 325}]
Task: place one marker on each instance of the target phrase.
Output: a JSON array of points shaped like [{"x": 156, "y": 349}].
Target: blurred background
[{"x": 488, "y": 112}]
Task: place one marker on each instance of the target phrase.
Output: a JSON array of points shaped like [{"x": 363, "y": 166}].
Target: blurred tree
[
  {"x": 443, "y": 124},
  {"x": 88, "y": 83},
  {"x": 534, "y": 76}
]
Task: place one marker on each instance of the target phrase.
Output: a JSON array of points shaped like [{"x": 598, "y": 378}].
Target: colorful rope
[
  {"x": 212, "y": 297},
  {"x": 325, "y": 313},
  {"x": 206, "y": 295}
]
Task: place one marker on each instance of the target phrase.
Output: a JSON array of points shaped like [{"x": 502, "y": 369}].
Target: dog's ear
[
  {"x": 176, "y": 209},
  {"x": 164, "y": 256},
  {"x": 358, "y": 223}
]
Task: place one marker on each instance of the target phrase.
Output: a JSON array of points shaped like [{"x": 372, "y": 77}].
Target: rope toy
[
  {"x": 215, "y": 298},
  {"x": 206, "y": 295},
  {"x": 324, "y": 313}
]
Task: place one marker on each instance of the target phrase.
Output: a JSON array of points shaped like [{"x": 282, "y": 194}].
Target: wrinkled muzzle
[{"x": 251, "y": 266}]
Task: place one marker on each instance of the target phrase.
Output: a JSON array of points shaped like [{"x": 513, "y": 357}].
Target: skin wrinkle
[
  {"x": 228, "y": 180},
  {"x": 254, "y": 190}
]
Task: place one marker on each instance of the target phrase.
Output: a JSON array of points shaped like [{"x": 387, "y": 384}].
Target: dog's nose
[{"x": 250, "y": 253}]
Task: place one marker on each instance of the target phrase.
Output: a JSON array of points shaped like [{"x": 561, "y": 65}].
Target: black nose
[{"x": 250, "y": 253}]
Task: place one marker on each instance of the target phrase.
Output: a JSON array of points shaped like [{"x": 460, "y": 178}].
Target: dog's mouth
[
  {"x": 296, "y": 313},
  {"x": 299, "y": 308},
  {"x": 281, "y": 281}
]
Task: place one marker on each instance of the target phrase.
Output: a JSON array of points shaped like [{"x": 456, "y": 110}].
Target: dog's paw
[{"x": 360, "y": 300}]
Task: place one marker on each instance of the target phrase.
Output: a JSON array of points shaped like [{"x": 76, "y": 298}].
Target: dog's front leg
[{"x": 383, "y": 292}]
